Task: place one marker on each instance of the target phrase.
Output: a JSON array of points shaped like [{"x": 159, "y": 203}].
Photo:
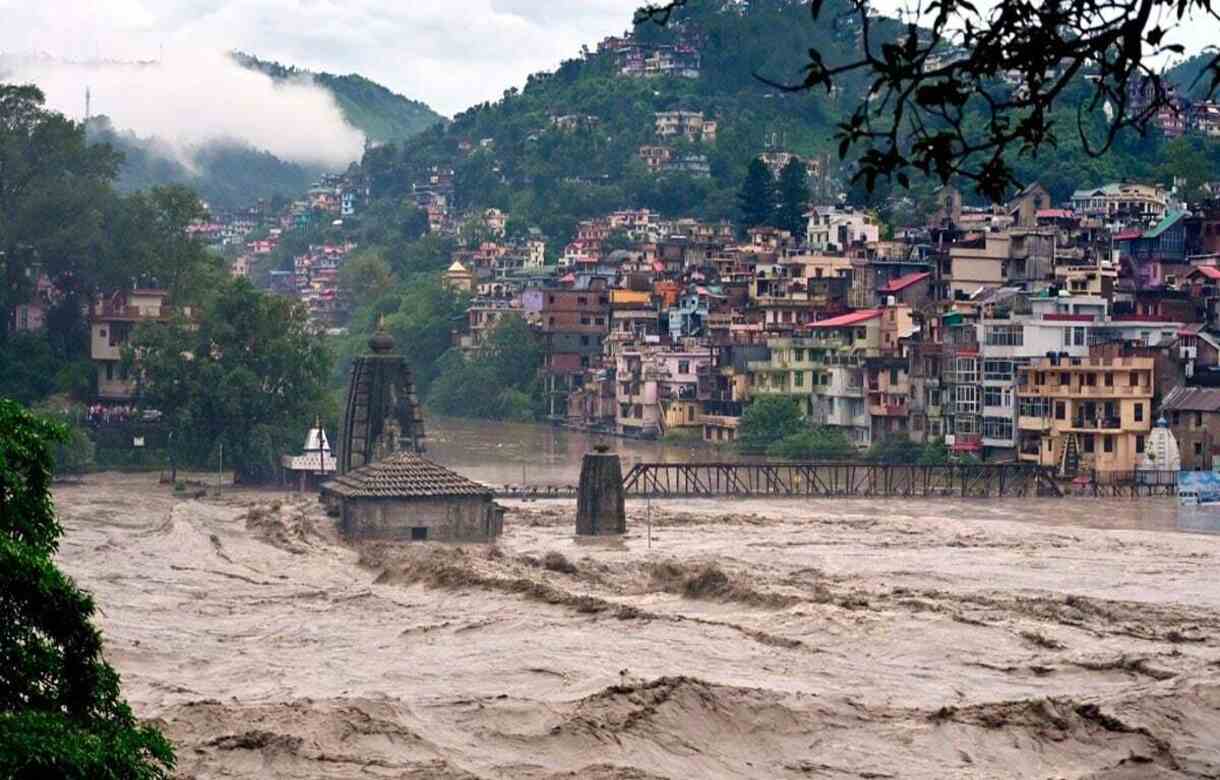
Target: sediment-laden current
[{"x": 928, "y": 639}]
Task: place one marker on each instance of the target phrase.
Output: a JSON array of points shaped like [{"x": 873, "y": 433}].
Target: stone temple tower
[{"x": 381, "y": 415}]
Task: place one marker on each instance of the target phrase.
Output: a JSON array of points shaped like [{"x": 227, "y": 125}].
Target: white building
[{"x": 832, "y": 229}]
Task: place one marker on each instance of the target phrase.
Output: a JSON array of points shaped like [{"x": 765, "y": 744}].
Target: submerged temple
[
  {"x": 385, "y": 489},
  {"x": 382, "y": 414}
]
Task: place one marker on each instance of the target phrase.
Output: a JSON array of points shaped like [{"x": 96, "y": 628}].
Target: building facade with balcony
[
  {"x": 111, "y": 322},
  {"x": 1085, "y": 414}
]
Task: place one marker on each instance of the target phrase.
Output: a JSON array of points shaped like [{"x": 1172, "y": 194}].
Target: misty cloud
[{"x": 190, "y": 99}]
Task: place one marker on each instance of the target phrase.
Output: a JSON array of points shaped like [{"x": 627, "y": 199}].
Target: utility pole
[{"x": 220, "y": 468}]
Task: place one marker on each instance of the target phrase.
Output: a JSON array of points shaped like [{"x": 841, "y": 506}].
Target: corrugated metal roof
[
  {"x": 903, "y": 282},
  {"x": 847, "y": 319},
  {"x": 404, "y": 475},
  {"x": 1171, "y": 218},
  {"x": 1192, "y": 399}
]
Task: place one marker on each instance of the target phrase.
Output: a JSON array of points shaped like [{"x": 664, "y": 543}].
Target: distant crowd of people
[{"x": 104, "y": 414}]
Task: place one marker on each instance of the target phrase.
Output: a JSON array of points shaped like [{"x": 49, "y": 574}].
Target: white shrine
[
  {"x": 1161, "y": 451},
  {"x": 314, "y": 465}
]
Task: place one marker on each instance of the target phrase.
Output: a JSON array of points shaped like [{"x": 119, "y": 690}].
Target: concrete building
[
  {"x": 1193, "y": 415},
  {"x": 111, "y": 322},
  {"x": 833, "y": 229},
  {"x": 573, "y": 324},
  {"x": 405, "y": 497},
  {"x": 1084, "y": 414},
  {"x": 1125, "y": 202}
]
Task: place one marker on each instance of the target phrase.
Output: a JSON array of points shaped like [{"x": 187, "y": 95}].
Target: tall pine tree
[
  {"x": 756, "y": 199},
  {"x": 793, "y": 198}
]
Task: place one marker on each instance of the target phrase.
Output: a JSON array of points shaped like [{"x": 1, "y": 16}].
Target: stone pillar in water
[{"x": 600, "y": 509}]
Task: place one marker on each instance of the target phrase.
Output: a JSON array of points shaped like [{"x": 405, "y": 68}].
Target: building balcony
[
  {"x": 1096, "y": 424},
  {"x": 1085, "y": 391},
  {"x": 1040, "y": 424},
  {"x": 887, "y": 410}
]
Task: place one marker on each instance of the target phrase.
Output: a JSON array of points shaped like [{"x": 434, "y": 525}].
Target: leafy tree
[
  {"x": 499, "y": 382},
  {"x": 793, "y": 198},
  {"x": 61, "y": 711},
  {"x": 935, "y": 453},
  {"x": 52, "y": 184},
  {"x": 249, "y": 375},
  {"x": 767, "y": 420},
  {"x": 895, "y": 450},
  {"x": 935, "y": 104},
  {"x": 824, "y": 443},
  {"x": 756, "y": 199},
  {"x": 365, "y": 275}
]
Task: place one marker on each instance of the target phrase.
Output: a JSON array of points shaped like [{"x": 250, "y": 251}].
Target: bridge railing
[{"x": 838, "y": 479}]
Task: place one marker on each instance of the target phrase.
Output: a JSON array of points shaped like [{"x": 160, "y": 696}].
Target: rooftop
[
  {"x": 404, "y": 475},
  {"x": 903, "y": 282},
  {"x": 843, "y": 320},
  {"x": 1192, "y": 399}
]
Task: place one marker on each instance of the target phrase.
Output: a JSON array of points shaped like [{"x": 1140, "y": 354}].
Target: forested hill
[
  {"x": 226, "y": 174},
  {"x": 379, "y": 113},
  {"x": 513, "y": 154}
]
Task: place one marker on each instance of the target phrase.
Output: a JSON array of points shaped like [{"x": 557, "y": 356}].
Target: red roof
[
  {"x": 1068, "y": 317},
  {"x": 844, "y": 320},
  {"x": 1054, "y": 214},
  {"x": 1128, "y": 235},
  {"x": 1210, "y": 271},
  {"x": 903, "y": 282}
]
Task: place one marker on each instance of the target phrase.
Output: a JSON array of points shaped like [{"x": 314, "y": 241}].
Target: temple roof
[{"x": 403, "y": 475}]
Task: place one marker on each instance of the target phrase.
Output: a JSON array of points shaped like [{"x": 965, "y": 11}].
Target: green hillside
[
  {"x": 380, "y": 114},
  {"x": 226, "y": 174},
  {"x": 511, "y": 155}
]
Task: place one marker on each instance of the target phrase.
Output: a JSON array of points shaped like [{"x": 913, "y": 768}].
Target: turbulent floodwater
[{"x": 770, "y": 639}]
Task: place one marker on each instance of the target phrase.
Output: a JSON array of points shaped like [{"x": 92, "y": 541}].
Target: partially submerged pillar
[{"x": 600, "y": 508}]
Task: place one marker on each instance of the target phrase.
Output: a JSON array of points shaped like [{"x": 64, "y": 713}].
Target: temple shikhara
[{"x": 385, "y": 488}]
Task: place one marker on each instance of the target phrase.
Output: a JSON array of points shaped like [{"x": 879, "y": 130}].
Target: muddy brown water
[{"x": 770, "y": 639}]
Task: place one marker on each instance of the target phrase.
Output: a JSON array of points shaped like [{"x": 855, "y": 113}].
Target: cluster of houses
[
  {"x": 1051, "y": 333},
  {"x": 634, "y": 58}
]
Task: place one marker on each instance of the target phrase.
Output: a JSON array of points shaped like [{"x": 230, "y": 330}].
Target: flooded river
[
  {"x": 771, "y": 638},
  {"x": 536, "y": 454}
]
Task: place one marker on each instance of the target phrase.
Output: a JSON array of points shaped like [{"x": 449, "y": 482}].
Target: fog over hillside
[{"x": 189, "y": 100}]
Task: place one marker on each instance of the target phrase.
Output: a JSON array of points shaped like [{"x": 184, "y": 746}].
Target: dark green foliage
[
  {"x": 380, "y": 114},
  {"x": 500, "y": 381},
  {"x": 757, "y": 197},
  {"x": 895, "y": 449},
  {"x": 767, "y": 420},
  {"x": 61, "y": 712},
  {"x": 824, "y": 443},
  {"x": 793, "y": 198},
  {"x": 227, "y": 174},
  {"x": 250, "y": 376}
]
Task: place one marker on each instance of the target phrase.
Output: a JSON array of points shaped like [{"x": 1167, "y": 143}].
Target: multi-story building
[
  {"x": 111, "y": 322},
  {"x": 687, "y": 123},
  {"x": 657, "y": 389},
  {"x": 1083, "y": 414},
  {"x": 573, "y": 324},
  {"x": 1123, "y": 202},
  {"x": 1193, "y": 415}
]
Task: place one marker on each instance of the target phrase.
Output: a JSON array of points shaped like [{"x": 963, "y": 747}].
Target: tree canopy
[
  {"x": 61, "y": 711},
  {"x": 249, "y": 374},
  {"x": 954, "y": 89}
]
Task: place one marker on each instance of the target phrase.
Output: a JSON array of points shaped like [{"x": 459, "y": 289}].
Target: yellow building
[
  {"x": 458, "y": 277},
  {"x": 1083, "y": 414}
]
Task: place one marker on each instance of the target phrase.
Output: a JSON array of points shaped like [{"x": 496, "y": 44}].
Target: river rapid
[{"x": 1071, "y": 638}]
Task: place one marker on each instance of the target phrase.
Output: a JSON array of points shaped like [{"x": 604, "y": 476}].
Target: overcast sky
[{"x": 448, "y": 53}]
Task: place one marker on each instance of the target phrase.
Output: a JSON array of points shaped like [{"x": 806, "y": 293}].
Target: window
[
  {"x": 1078, "y": 337},
  {"x": 584, "y": 341},
  {"x": 582, "y": 300},
  {"x": 1090, "y": 380},
  {"x": 1087, "y": 439},
  {"x": 1034, "y": 407},
  {"x": 798, "y": 379},
  {"x": 997, "y": 428},
  {"x": 1109, "y": 379},
  {"x": 798, "y": 355},
  {"x": 997, "y": 370},
  {"x": 419, "y": 534},
  {"x": 1198, "y": 448},
  {"x": 1004, "y": 335},
  {"x": 683, "y": 366},
  {"x": 1107, "y": 443},
  {"x": 1139, "y": 412},
  {"x": 993, "y": 396},
  {"x": 893, "y": 376},
  {"x": 966, "y": 399},
  {"x": 1198, "y": 419},
  {"x": 1139, "y": 445},
  {"x": 599, "y": 320},
  {"x": 1060, "y": 410},
  {"x": 967, "y": 369}
]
